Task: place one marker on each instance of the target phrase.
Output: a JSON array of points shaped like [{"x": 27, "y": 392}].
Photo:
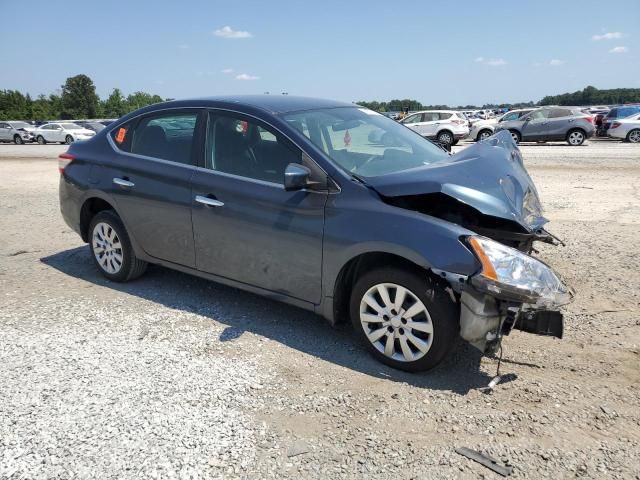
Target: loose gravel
[{"x": 172, "y": 376}]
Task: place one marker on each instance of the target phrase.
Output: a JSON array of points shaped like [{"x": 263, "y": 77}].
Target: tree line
[
  {"x": 588, "y": 96},
  {"x": 77, "y": 100}
]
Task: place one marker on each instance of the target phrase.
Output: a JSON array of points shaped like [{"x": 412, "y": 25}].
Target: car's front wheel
[
  {"x": 483, "y": 135},
  {"x": 576, "y": 138},
  {"x": 516, "y": 136},
  {"x": 18, "y": 140},
  {"x": 68, "y": 139},
  {"x": 111, "y": 248},
  {"x": 634, "y": 136},
  {"x": 41, "y": 140},
  {"x": 405, "y": 318}
]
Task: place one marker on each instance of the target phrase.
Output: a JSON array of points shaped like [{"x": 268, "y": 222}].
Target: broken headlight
[{"x": 510, "y": 274}]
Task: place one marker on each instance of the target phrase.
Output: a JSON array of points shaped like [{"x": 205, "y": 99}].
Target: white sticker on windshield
[{"x": 368, "y": 112}]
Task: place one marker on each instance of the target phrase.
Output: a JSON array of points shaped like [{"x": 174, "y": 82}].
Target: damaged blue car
[{"x": 297, "y": 199}]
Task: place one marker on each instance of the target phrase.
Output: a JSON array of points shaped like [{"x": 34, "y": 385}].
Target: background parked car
[
  {"x": 551, "y": 123},
  {"x": 93, "y": 126},
  {"x": 483, "y": 129},
  {"x": 622, "y": 111},
  {"x": 17, "y": 132},
  {"x": 445, "y": 126},
  {"x": 62, "y": 132},
  {"x": 626, "y": 128}
]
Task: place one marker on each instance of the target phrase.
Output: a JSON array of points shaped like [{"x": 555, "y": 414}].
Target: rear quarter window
[{"x": 121, "y": 137}]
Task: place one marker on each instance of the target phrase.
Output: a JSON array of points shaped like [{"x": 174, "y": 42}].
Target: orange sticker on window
[{"x": 121, "y": 134}]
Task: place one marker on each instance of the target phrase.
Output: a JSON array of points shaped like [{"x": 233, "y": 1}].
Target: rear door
[
  {"x": 246, "y": 226},
  {"x": 5, "y": 132},
  {"x": 560, "y": 121},
  {"x": 149, "y": 178},
  {"x": 431, "y": 120}
]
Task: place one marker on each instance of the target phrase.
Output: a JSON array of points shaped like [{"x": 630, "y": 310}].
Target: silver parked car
[
  {"x": 548, "y": 124},
  {"x": 627, "y": 129},
  {"x": 62, "y": 132},
  {"x": 16, "y": 132},
  {"x": 483, "y": 129}
]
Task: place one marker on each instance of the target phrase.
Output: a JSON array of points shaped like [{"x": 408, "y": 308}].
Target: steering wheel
[{"x": 369, "y": 160}]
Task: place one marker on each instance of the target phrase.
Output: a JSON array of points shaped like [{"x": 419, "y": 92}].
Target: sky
[{"x": 438, "y": 52}]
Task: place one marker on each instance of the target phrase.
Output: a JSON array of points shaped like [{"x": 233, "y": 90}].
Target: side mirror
[
  {"x": 527, "y": 119},
  {"x": 296, "y": 177}
]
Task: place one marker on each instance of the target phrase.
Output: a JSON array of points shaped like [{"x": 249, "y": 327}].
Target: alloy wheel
[
  {"x": 445, "y": 138},
  {"x": 576, "y": 138},
  {"x": 107, "y": 248},
  {"x": 41, "y": 140},
  {"x": 484, "y": 135},
  {"x": 68, "y": 140},
  {"x": 18, "y": 140},
  {"x": 634, "y": 136},
  {"x": 396, "y": 322}
]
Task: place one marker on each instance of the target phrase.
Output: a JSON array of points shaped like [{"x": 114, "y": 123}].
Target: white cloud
[
  {"x": 227, "y": 70},
  {"x": 496, "y": 62},
  {"x": 246, "y": 76},
  {"x": 619, "y": 50},
  {"x": 556, "y": 63},
  {"x": 228, "y": 32},
  {"x": 492, "y": 62},
  {"x": 607, "y": 36}
]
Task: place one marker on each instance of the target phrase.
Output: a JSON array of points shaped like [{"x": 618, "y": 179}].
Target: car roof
[
  {"x": 436, "y": 111},
  {"x": 270, "y": 103}
]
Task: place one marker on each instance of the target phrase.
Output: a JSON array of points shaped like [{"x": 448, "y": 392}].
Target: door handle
[
  {"x": 209, "y": 202},
  {"x": 123, "y": 182}
]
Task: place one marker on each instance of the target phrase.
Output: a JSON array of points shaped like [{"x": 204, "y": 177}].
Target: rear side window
[
  {"x": 559, "y": 113},
  {"x": 165, "y": 135}
]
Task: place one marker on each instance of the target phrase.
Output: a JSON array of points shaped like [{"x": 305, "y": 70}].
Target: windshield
[
  {"x": 70, "y": 126},
  {"x": 19, "y": 124},
  {"x": 364, "y": 142}
]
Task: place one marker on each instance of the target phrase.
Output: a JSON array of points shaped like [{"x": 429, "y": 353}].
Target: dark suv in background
[
  {"x": 549, "y": 124},
  {"x": 614, "y": 114}
]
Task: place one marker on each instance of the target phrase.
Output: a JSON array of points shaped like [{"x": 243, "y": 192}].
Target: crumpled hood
[{"x": 488, "y": 176}]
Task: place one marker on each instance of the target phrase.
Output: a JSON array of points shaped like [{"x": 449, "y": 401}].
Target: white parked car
[
  {"x": 62, "y": 132},
  {"x": 445, "y": 126},
  {"x": 485, "y": 128},
  {"x": 626, "y": 128}
]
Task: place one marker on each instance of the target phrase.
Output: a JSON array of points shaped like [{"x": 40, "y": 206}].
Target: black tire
[
  {"x": 455, "y": 142},
  {"x": 446, "y": 137},
  {"x": 443, "y": 312},
  {"x": 635, "y": 138},
  {"x": 41, "y": 140},
  {"x": 131, "y": 267},
  {"x": 68, "y": 140},
  {"x": 483, "y": 132},
  {"x": 18, "y": 140},
  {"x": 516, "y": 136},
  {"x": 576, "y": 137}
]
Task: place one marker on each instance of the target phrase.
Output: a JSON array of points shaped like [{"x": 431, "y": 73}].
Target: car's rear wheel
[
  {"x": 484, "y": 134},
  {"x": 516, "y": 136},
  {"x": 68, "y": 139},
  {"x": 405, "y": 318},
  {"x": 111, "y": 248},
  {"x": 18, "y": 140},
  {"x": 634, "y": 136},
  {"x": 576, "y": 138},
  {"x": 41, "y": 140},
  {"x": 446, "y": 137}
]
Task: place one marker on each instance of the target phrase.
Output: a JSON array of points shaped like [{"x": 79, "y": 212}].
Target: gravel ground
[{"x": 172, "y": 376}]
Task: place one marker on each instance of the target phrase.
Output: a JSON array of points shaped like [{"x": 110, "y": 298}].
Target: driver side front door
[{"x": 535, "y": 126}]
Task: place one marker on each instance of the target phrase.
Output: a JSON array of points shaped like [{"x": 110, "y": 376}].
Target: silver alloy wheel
[
  {"x": 485, "y": 134},
  {"x": 576, "y": 138},
  {"x": 396, "y": 322},
  {"x": 634, "y": 136},
  {"x": 18, "y": 140},
  {"x": 40, "y": 140},
  {"x": 68, "y": 140},
  {"x": 445, "y": 138},
  {"x": 107, "y": 248}
]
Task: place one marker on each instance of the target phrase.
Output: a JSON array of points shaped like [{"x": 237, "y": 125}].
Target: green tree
[
  {"x": 79, "y": 98},
  {"x": 141, "y": 99},
  {"x": 115, "y": 106}
]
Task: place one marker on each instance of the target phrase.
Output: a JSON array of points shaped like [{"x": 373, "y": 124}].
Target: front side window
[
  {"x": 166, "y": 136},
  {"x": 245, "y": 147},
  {"x": 364, "y": 142},
  {"x": 510, "y": 116},
  {"x": 413, "y": 118}
]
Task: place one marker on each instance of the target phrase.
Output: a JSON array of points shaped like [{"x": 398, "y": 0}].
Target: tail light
[
  {"x": 615, "y": 124},
  {"x": 64, "y": 159},
  {"x": 458, "y": 122},
  {"x": 589, "y": 119}
]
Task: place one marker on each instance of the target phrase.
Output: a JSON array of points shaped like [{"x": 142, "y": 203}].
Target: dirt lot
[{"x": 176, "y": 377}]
